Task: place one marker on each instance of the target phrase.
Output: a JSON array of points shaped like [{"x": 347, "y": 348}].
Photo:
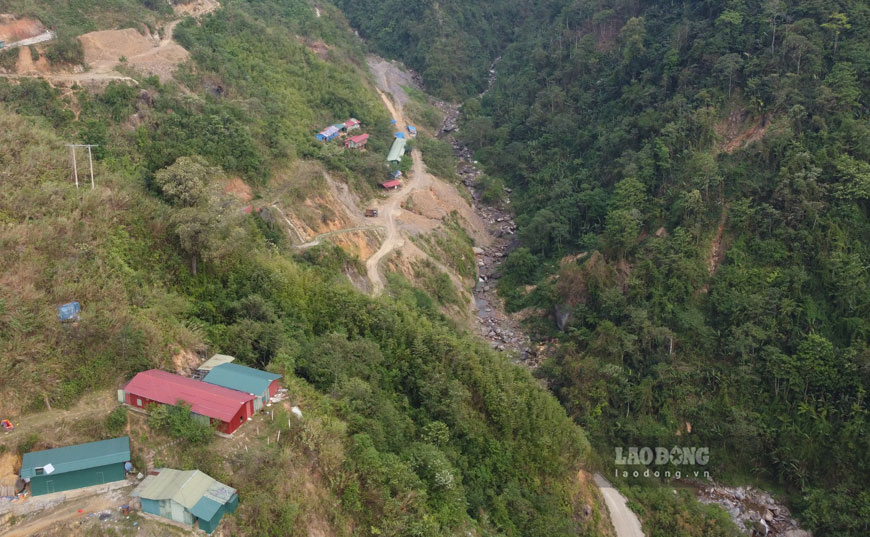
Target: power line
[{"x": 72, "y": 148}]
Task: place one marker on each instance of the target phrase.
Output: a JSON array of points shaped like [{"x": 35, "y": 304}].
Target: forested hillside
[
  {"x": 709, "y": 162},
  {"x": 411, "y": 427}
]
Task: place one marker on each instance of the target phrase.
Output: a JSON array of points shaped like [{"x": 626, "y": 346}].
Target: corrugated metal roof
[
  {"x": 215, "y": 361},
  {"x": 329, "y": 131},
  {"x": 205, "y": 398},
  {"x": 187, "y": 488},
  {"x": 397, "y": 150},
  {"x": 242, "y": 378},
  {"x": 205, "y": 508},
  {"x": 358, "y": 138},
  {"x": 391, "y": 184},
  {"x": 351, "y": 122},
  {"x": 79, "y": 457}
]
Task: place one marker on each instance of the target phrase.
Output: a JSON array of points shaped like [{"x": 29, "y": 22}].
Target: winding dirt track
[{"x": 418, "y": 179}]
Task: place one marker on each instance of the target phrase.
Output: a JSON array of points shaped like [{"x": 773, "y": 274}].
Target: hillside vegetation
[
  {"x": 710, "y": 160},
  {"x": 411, "y": 427}
]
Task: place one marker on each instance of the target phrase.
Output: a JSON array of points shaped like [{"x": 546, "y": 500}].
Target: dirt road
[
  {"x": 70, "y": 510},
  {"x": 624, "y": 521},
  {"x": 417, "y": 179}
]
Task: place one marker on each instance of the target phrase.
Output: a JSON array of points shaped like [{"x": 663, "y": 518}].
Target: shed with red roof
[
  {"x": 226, "y": 408},
  {"x": 392, "y": 185},
  {"x": 351, "y": 124},
  {"x": 356, "y": 142}
]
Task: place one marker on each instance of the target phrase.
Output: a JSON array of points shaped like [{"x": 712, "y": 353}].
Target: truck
[{"x": 371, "y": 212}]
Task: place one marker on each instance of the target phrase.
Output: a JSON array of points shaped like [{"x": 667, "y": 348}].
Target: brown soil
[
  {"x": 359, "y": 243},
  {"x": 10, "y": 464},
  {"x": 40, "y": 522},
  {"x": 185, "y": 362},
  {"x": 239, "y": 189},
  {"x": 319, "y": 48},
  {"x": 154, "y": 56},
  {"x": 738, "y": 131},
  {"x": 12, "y": 29},
  {"x": 26, "y": 65}
]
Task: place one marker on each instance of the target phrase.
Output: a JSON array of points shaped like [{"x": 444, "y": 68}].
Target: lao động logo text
[{"x": 675, "y": 462}]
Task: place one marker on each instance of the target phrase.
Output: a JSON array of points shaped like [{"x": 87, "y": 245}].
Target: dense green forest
[
  {"x": 710, "y": 162},
  {"x": 412, "y": 428}
]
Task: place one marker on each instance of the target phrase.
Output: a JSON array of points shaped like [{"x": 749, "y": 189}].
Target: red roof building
[
  {"x": 356, "y": 142},
  {"x": 395, "y": 183},
  {"x": 351, "y": 124},
  {"x": 225, "y": 407}
]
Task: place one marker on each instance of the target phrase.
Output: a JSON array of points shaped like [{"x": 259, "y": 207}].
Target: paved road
[{"x": 624, "y": 521}]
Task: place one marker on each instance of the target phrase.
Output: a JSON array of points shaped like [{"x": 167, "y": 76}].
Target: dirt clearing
[
  {"x": 12, "y": 29},
  {"x": 105, "y": 50}
]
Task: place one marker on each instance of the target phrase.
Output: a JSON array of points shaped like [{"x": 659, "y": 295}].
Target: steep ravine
[{"x": 754, "y": 511}]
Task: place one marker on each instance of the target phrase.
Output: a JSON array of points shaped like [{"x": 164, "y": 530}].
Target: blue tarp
[
  {"x": 400, "y": 135},
  {"x": 412, "y": 129},
  {"x": 69, "y": 312},
  {"x": 393, "y": 121}
]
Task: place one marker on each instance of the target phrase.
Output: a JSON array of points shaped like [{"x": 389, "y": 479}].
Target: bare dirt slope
[
  {"x": 13, "y": 29},
  {"x": 105, "y": 50}
]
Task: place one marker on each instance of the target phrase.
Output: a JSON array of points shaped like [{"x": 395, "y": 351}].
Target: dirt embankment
[{"x": 13, "y": 29}]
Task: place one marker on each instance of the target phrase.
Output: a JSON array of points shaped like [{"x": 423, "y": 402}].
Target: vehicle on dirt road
[
  {"x": 6, "y": 425},
  {"x": 371, "y": 212}
]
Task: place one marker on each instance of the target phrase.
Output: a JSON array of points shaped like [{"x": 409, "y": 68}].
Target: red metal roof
[
  {"x": 359, "y": 138},
  {"x": 206, "y": 399},
  {"x": 350, "y": 122},
  {"x": 391, "y": 184}
]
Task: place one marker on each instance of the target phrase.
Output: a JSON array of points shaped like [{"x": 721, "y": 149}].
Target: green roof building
[
  {"x": 188, "y": 497},
  {"x": 397, "y": 150},
  {"x": 75, "y": 467},
  {"x": 237, "y": 377}
]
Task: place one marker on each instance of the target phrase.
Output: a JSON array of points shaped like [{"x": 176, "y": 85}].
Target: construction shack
[
  {"x": 397, "y": 150},
  {"x": 412, "y": 130},
  {"x": 328, "y": 133},
  {"x": 356, "y": 142},
  {"x": 75, "y": 467},
  {"x": 392, "y": 184},
  {"x": 351, "y": 124},
  {"x": 190, "y": 497},
  {"x": 262, "y": 385},
  {"x": 222, "y": 407}
]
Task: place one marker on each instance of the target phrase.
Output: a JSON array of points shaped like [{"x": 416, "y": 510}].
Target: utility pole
[
  {"x": 72, "y": 149},
  {"x": 75, "y": 164}
]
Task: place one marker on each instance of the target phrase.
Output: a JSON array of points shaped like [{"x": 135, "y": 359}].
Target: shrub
[{"x": 116, "y": 421}]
